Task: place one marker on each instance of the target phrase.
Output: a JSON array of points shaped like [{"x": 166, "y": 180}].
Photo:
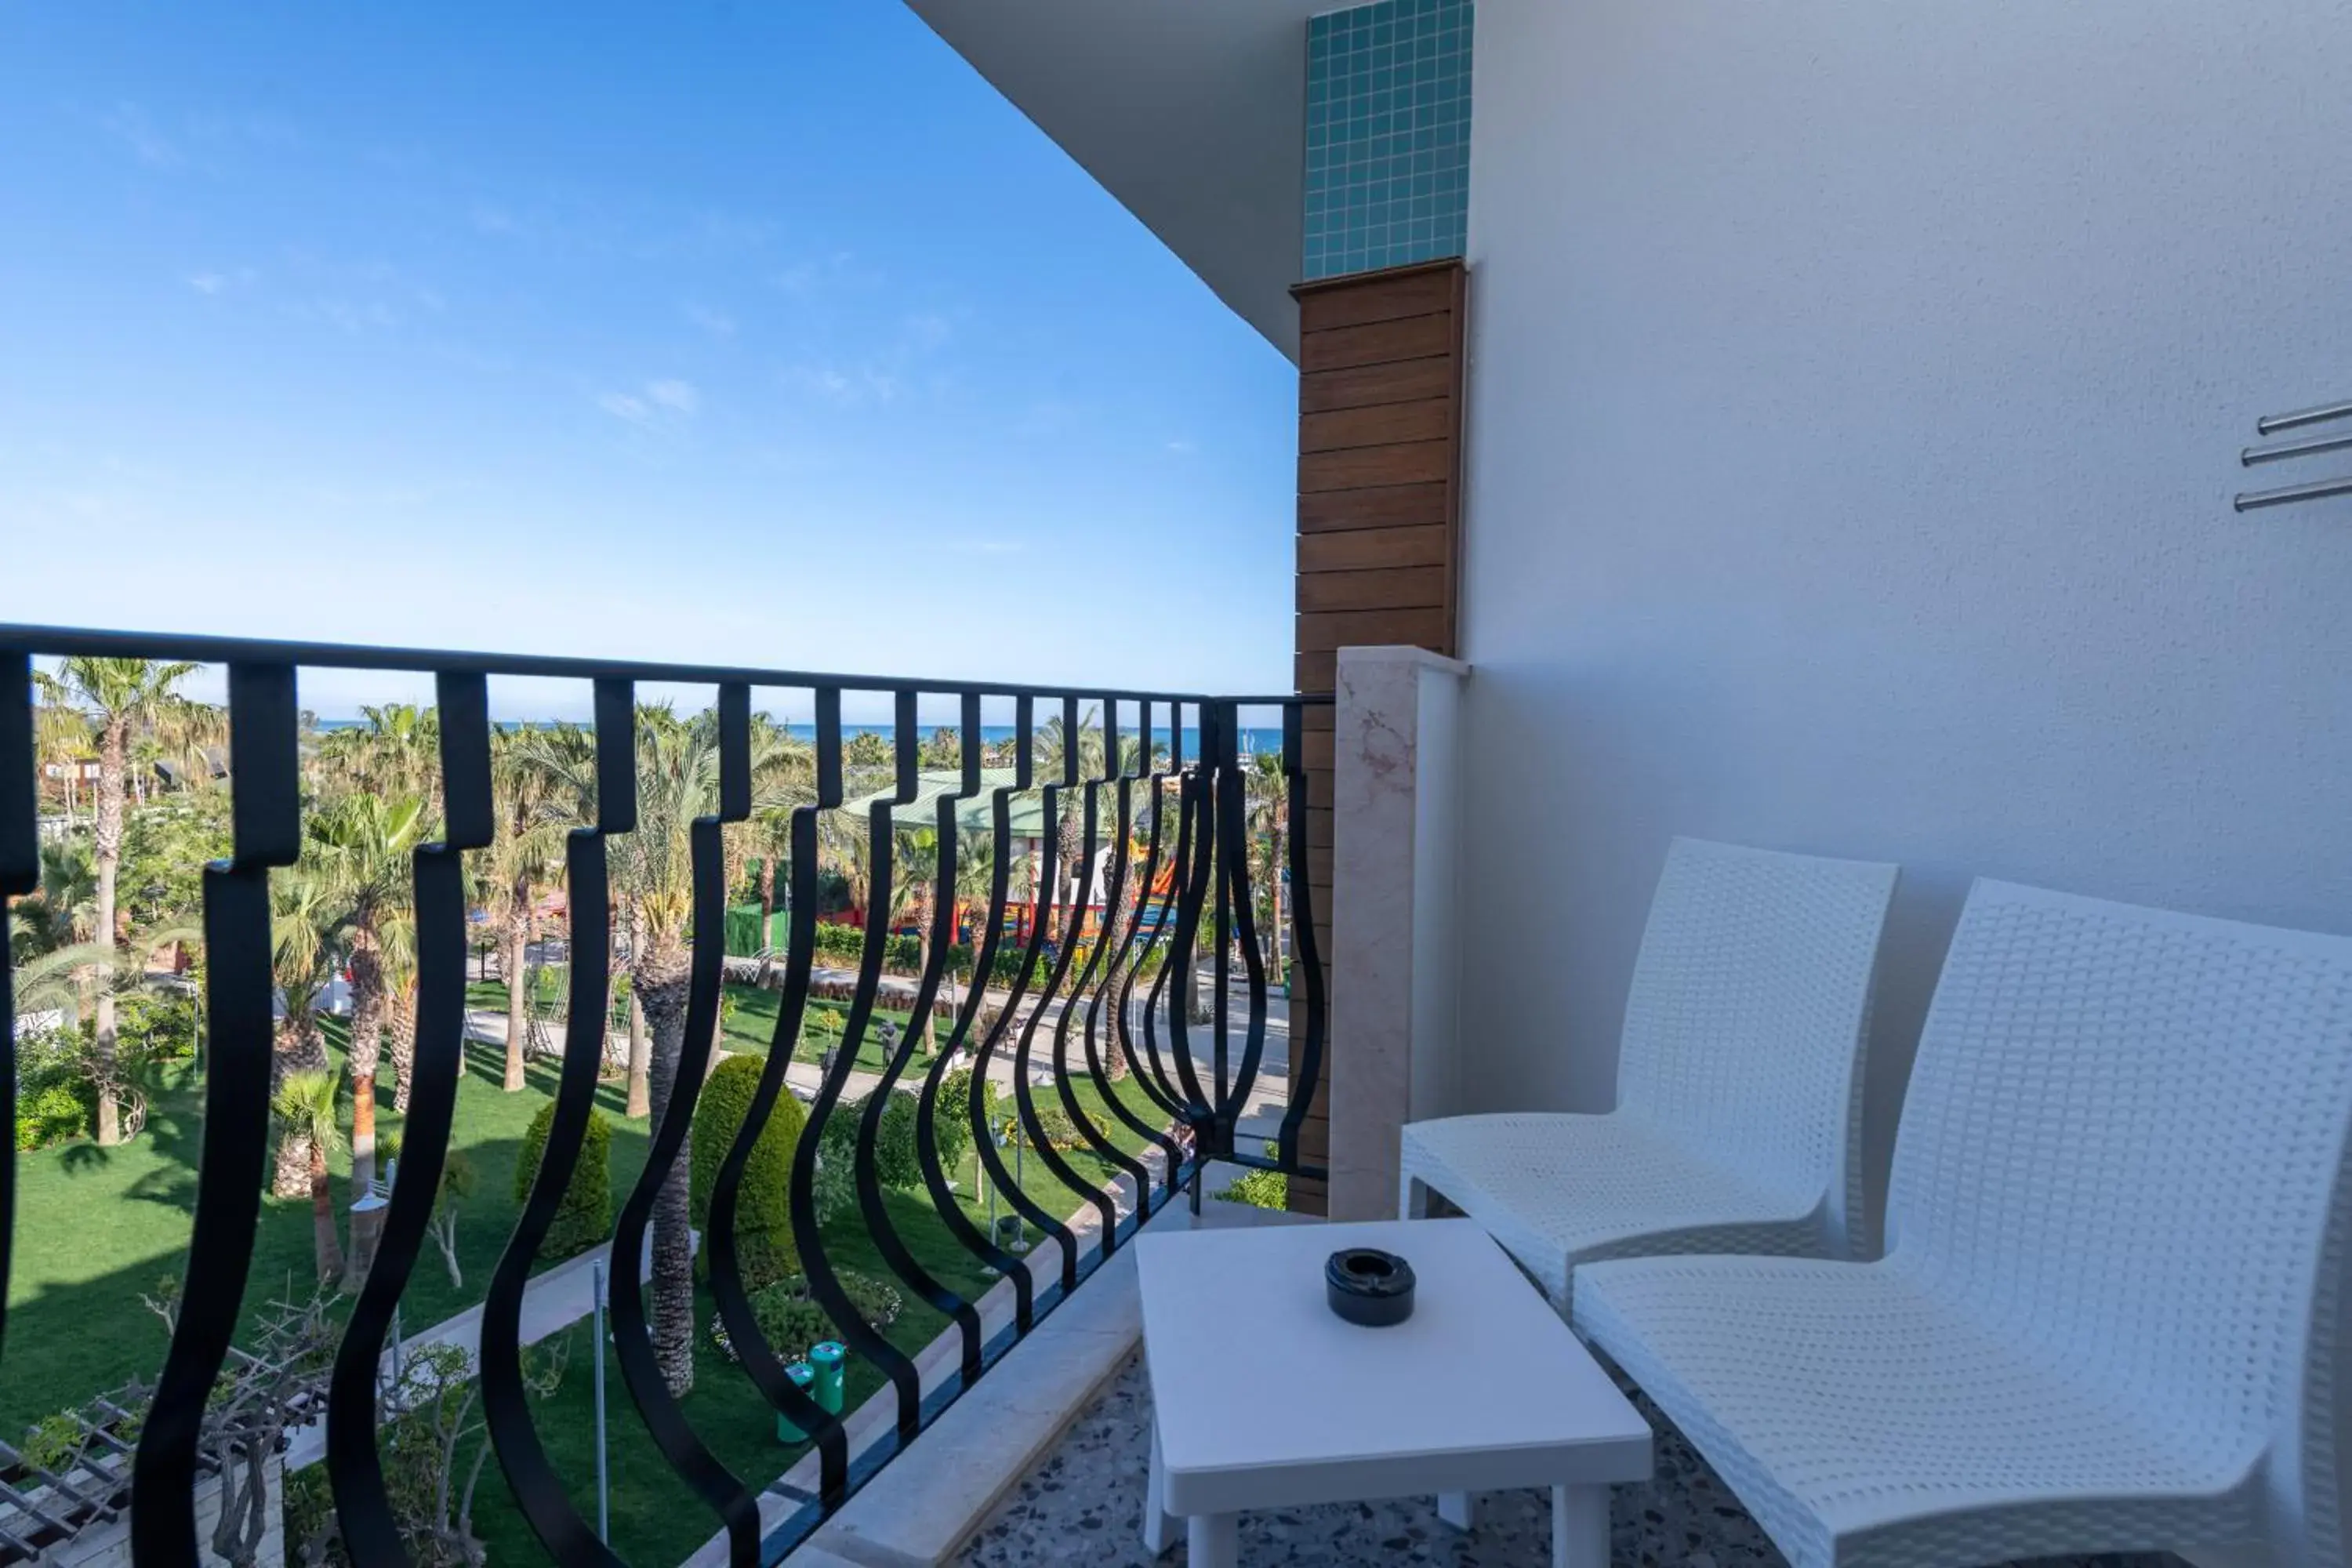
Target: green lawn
[{"x": 96, "y": 1227}]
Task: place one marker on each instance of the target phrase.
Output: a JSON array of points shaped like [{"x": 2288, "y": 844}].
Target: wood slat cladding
[{"x": 1380, "y": 484}]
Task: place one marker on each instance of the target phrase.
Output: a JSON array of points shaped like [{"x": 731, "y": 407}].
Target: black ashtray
[{"x": 1369, "y": 1287}]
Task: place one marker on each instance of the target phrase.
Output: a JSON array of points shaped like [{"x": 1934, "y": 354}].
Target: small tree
[
  {"x": 308, "y": 1107},
  {"x": 764, "y": 1235},
  {"x": 456, "y": 1187},
  {"x": 434, "y": 1442},
  {"x": 585, "y": 1217}
]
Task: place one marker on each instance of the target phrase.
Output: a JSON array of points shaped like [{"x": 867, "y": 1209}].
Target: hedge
[
  {"x": 585, "y": 1216},
  {"x": 763, "y": 1207}
]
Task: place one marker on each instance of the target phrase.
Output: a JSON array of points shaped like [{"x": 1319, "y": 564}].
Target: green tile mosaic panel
[{"x": 1388, "y": 135}]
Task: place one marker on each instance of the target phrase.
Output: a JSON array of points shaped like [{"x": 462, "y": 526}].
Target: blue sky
[{"x": 762, "y": 333}]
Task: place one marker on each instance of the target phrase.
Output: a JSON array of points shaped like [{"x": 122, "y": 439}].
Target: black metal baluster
[
  {"x": 1065, "y": 1084},
  {"x": 681, "y": 1447},
  {"x": 1217, "y": 751},
  {"x": 506, "y": 1406},
  {"x": 879, "y": 1226},
  {"x": 1024, "y": 1093},
  {"x": 1194, "y": 854},
  {"x": 1007, "y": 1182},
  {"x": 1233, "y": 838},
  {"x": 1128, "y": 962},
  {"x": 758, "y": 1357},
  {"x": 20, "y": 873},
  {"x": 266, "y": 826},
  {"x": 371, "y": 1533},
  {"x": 817, "y": 1264},
  {"x": 936, "y": 1179},
  {"x": 1306, "y": 1059},
  {"x": 1116, "y": 978},
  {"x": 1169, "y": 1094}
]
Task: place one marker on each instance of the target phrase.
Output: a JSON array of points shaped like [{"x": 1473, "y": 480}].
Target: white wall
[{"x": 1855, "y": 402}]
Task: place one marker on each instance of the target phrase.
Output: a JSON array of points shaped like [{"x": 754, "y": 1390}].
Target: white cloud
[
  {"x": 492, "y": 219},
  {"x": 130, "y": 125},
  {"x": 654, "y": 404},
  {"x": 718, "y": 323},
  {"x": 845, "y": 388},
  {"x": 1183, "y": 448},
  {"x": 215, "y": 281}
]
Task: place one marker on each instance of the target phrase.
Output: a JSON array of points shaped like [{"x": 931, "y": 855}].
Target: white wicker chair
[
  {"x": 1739, "y": 1083},
  {"x": 2107, "y": 1316}
]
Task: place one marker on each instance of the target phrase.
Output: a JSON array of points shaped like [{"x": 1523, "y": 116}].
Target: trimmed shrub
[
  {"x": 1055, "y": 1122},
  {"x": 895, "y": 1160},
  {"x": 763, "y": 1207},
  {"x": 1259, "y": 1189},
  {"x": 585, "y": 1216},
  {"x": 53, "y": 1093},
  {"x": 952, "y": 1121}
]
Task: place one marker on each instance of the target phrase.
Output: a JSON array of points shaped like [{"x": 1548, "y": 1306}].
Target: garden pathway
[{"x": 550, "y": 1302}]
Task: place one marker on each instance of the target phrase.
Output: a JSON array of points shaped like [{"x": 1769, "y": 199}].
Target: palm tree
[
  {"x": 307, "y": 1105},
  {"x": 1268, "y": 788},
  {"x": 64, "y": 911},
  {"x": 119, "y": 696},
  {"x": 525, "y": 856},
  {"x": 363, "y": 843},
  {"x": 917, "y": 872}
]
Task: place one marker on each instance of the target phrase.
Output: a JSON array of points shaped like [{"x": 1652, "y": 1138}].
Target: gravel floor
[{"x": 1084, "y": 1505}]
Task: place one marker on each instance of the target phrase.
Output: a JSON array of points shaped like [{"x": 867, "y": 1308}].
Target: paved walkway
[
  {"x": 1261, "y": 1116},
  {"x": 552, "y": 1301}
]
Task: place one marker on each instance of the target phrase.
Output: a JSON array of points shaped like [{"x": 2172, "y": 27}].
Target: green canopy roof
[{"x": 1028, "y": 808}]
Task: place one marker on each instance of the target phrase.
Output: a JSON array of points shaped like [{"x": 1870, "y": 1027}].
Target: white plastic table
[{"x": 1262, "y": 1398}]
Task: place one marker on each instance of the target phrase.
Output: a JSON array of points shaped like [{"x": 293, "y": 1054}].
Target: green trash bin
[
  {"x": 827, "y": 1358},
  {"x": 803, "y": 1375}
]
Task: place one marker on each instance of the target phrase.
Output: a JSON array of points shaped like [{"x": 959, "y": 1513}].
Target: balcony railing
[{"x": 1192, "y": 902}]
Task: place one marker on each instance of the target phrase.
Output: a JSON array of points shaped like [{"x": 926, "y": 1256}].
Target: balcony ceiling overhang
[{"x": 1193, "y": 113}]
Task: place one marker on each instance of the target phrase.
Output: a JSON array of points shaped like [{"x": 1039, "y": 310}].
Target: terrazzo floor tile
[{"x": 1084, "y": 1504}]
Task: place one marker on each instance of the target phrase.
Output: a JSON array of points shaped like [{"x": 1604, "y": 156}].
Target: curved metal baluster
[
  {"x": 1065, "y": 1089},
  {"x": 266, "y": 815},
  {"x": 1306, "y": 1060},
  {"x": 816, "y": 1265},
  {"x": 681, "y": 1447},
  {"x": 1175, "y": 1082},
  {"x": 879, "y": 1227},
  {"x": 1194, "y": 853},
  {"x": 371, "y": 1533},
  {"x": 758, "y": 1357},
  {"x": 1233, "y": 840},
  {"x": 1153, "y": 1078},
  {"x": 1008, "y": 1183},
  {"x": 926, "y": 1142},
  {"x": 1117, "y": 982},
  {"x": 506, "y": 1406},
  {"x": 1024, "y": 1092},
  {"x": 1163, "y": 1092},
  {"x": 20, "y": 873}
]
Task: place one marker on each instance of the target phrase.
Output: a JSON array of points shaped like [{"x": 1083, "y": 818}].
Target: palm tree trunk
[
  {"x": 518, "y": 981},
  {"x": 658, "y": 980},
  {"x": 640, "y": 1065},
  {"x": 289, "y": 1175},
  {"x": 112, "y": 763},
  {"x": 402, "y": 1011},
  {"x": 329, "y": 1250},
  {"x": 367, "y": 1049},
  {"x": 925, "y": 901}
]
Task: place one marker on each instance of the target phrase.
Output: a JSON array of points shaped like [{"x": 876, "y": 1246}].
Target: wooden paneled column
[{"x": 1379, "y": 511}]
